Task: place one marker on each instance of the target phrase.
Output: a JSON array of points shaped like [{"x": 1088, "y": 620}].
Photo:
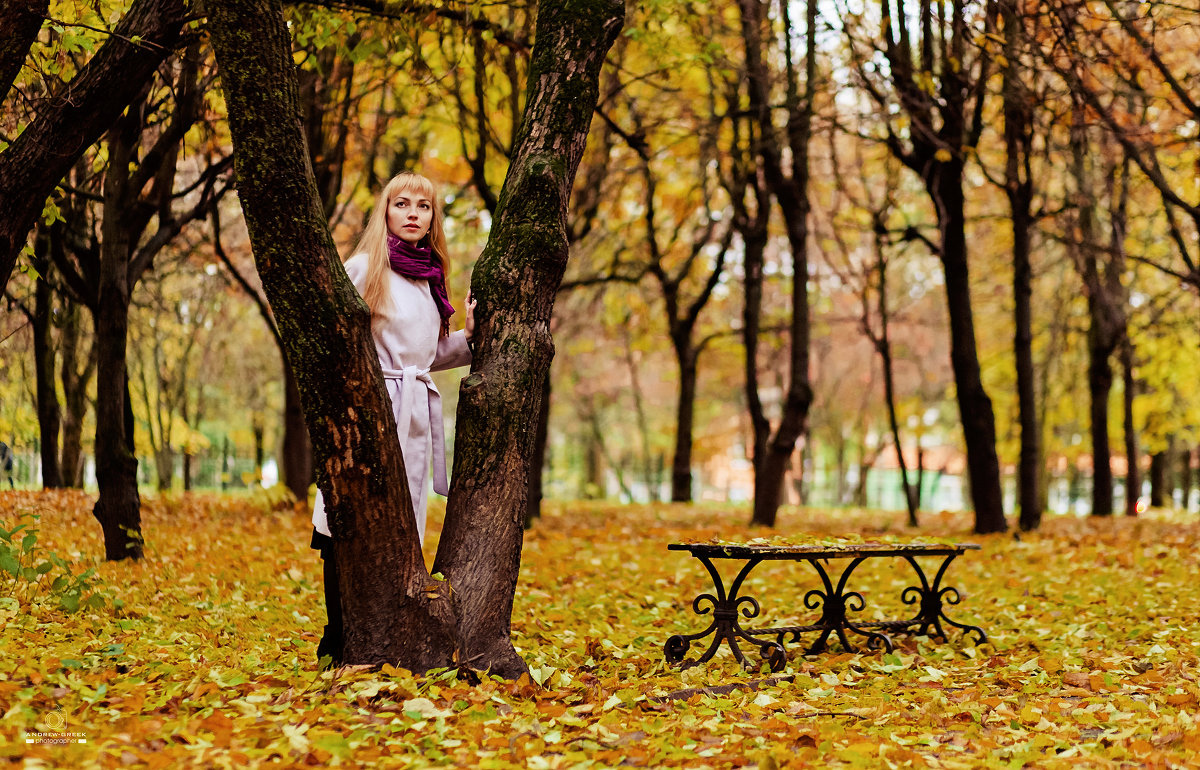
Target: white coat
[{"x": 410, "y": 347}]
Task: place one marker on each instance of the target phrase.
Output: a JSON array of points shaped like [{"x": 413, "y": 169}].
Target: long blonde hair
[{"x": 373, "y": 242}]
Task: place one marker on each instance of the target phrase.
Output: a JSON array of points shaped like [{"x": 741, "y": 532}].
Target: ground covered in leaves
[{"x": 202, "y": 655}]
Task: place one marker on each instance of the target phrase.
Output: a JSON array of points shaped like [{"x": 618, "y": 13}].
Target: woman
[{"x": 399, "y": 268}]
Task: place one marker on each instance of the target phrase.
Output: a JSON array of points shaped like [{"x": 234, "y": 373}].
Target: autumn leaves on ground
[{"x": 202, "y": 655}]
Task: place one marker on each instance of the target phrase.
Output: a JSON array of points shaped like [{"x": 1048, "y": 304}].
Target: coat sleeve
[{"x": 452, "y": 351}]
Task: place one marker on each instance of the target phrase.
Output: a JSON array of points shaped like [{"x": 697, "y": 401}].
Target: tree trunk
[
  {"x": 74, "y": 119},
  {"x": 297, "y": 449},
  {"x": 883, "y": 346},
  {"x": 791, "y": 192},
  {"x": 48, "y": 413},
  {"x": 1159, "y": 463},
  {"x": 974, "y": 405},
  {"x": 393, "y": 611},
  {"x": 537, "y": 461},
  {"x": 515, "y": 281},
  {"x": 1185, "y": 477},
  {"x": 1133, "y": 481},
  {"x": 20, "y": 22},
  {"x": 1018, "y": 139},
  {"x": 119, "y": 507},
  {"x": 685, "y": 415},
  {"x": 75, "y": 394},
  {"x": 164, "y": 467},
  {"x": 1100, "y": 380},
  {"x": 754, "y": 236},
  {"x": 259, "y": 452}
]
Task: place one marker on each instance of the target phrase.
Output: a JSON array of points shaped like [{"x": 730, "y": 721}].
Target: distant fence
[
  {"x": 822, "y": 487},
  {"x": 209, "y": 470}
]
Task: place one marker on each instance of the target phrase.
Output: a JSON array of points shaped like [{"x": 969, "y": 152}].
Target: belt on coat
[{"x": 409, "y": 377}]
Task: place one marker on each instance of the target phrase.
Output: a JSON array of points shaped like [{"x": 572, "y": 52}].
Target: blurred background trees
[{"x": 968, "y": 234}]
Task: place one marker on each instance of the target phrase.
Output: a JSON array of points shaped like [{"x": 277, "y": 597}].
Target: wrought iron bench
[{"x": 833, "y": 600}]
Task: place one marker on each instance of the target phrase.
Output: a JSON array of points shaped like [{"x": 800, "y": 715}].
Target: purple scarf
[{"x": 418, "y": 262}]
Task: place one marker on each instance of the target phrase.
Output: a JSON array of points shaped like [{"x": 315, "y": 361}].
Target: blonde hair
[{"x": 373, "y": 242}]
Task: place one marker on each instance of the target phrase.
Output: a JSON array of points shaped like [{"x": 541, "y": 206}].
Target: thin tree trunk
[
  {"x": 883, "y": 345},
  {"x": 685, "y": 415},
  {"x": 48, "y": 412},
  {"x": 1159, "y": 463},
  {"x": 297, "y": 449},
  {"x": 1018, "y": 138},
  {"x": 537, "y": 461},
  {"x": 1185, "y": 477},
  {"x": 1133, "y": 481},
  {"x": 119, "y": 507}
]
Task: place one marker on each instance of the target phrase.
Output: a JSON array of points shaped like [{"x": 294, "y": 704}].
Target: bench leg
[
  {"x": 833, "y": 603},
  {"x": 725, "y": 627},
  {"x": 932, "y": 600}
]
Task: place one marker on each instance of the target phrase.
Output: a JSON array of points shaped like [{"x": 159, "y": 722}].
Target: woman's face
[{"x": 409, "y": 215}]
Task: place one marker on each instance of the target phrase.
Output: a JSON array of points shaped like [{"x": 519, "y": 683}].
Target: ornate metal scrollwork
[{"x": 833, "y": 601}]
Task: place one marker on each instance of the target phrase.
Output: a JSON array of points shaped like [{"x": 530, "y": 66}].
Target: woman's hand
[{"x": 470, "y": 323}]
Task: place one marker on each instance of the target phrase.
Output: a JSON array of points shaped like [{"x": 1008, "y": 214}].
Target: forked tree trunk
[{"x": 394, "y": 612}]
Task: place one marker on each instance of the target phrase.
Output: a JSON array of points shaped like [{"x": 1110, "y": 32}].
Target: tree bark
[
  {"x": 942, "y": 128},
  {"x": 974, "y": 405},
  {"x": 515, "y": 281},
  {"x": 118, "y": 508},
  {"x": 73, "y": 120},
  {"x": 20, "y": 22}
]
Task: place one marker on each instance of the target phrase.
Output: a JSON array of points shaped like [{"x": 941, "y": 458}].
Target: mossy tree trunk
[
  {"x": 393, "y": 610},
  {"x": 515, "y": 281}
]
